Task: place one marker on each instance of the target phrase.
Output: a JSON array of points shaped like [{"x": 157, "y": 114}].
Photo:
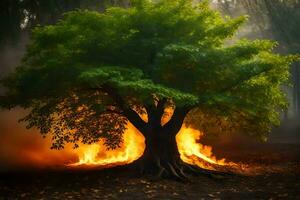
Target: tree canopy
[
  {"x": 86, "y": 76},
  {"x": 278, "y": 19}
]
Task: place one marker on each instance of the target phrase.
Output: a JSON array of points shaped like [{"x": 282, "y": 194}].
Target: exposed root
[
  {"x": 181, "y": 169},
  {"x": 177, "y": 170},
  {"x": 182, "y": 172},
  {"x": 195, "y": 170},
  {"x": 161, "y": 169}
]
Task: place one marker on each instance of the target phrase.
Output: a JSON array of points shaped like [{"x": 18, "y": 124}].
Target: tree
[
  {"x": 273, "y": 19},
  {"x": 90, "y": 74},
  {"x": 17, "y": 16}
]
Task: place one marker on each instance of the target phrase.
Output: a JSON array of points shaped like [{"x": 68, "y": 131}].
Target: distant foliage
[{"x": 18, "y": 16}]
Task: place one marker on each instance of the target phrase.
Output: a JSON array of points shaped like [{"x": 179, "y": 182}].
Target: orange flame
[
  {"x": 96, "y": 154},
  {"x": 193, "y": 152},
  {"x": 20, "y": 147},
  {"x": 133, "y": 147}
]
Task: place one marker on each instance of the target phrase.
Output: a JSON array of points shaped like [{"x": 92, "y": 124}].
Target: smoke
[
  {"x": 266, "y": 21},
  {"x": 21, "y": 148},
  {"x": 288, "y": 132},
  {"x": 11, "y": 53}
]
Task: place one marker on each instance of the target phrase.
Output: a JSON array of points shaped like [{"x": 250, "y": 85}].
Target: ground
[{"x": 277, "y": 177}]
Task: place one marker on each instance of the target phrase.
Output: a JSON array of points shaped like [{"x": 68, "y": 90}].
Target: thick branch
[
  {"x": 177, "y": 119},
  {"x": 130, "y": 114},
  {"x": 233, "y": 85},
  {"x": 155, "y": 112},
  {"x": 243, "y": 79},
  {"x": 161, "y": 106}
]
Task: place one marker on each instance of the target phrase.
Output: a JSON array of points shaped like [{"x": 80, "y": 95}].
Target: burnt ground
[{"x": 275, "y": 175}]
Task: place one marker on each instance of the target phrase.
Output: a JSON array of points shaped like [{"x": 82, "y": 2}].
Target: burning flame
[
  {"x": 191, "y": 151},
  {"x": 27, "y": 148},
  {"x": 96, "y": 154}
]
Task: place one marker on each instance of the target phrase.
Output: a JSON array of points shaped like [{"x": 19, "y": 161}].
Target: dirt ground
[{"x": 276, "y": 176}]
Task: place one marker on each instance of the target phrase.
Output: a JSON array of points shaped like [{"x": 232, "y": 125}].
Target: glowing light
[
  {"x": 37, "y": 151},
  {"x": 193, "y": 152},
  {"x": 97, "y": 154},
  {"x": 133, "y": 147}
]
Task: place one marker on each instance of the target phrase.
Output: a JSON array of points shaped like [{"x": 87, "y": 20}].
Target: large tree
[{"x": 87, "y": 76}]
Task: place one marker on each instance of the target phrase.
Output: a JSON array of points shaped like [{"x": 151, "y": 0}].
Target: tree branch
[
  {"x": 161, "y": 106},
  {"x": 243, "y": 79},
  {"x": 155, "y": 112},
  {"x": 177, "y": 119},
  {"x": 130, "y": 114}
]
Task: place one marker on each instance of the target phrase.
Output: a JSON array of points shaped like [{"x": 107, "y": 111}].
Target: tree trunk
[
  {"x": 161, "y": 152},
  {"x": 161, "y": 156}
]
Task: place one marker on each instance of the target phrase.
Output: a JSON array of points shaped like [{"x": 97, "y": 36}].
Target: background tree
[
  {"x": 17, "y": 16},
  {"x": 85, "y": 77},
  {"x": 276, "y": 19}
]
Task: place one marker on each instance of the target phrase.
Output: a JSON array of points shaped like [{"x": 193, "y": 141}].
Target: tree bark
[{"x": 161, "y": 156}]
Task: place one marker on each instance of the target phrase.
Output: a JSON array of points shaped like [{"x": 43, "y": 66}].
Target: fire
[
  {"x": 193, "y": 152},
  {"x": 96, "y": 154},
  {"x": 21, "y": 147},
  {"x": 133, "y": 147}
]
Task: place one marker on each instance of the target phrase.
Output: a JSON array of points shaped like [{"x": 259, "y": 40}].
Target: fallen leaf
[{"x": 211, "y": 195}]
